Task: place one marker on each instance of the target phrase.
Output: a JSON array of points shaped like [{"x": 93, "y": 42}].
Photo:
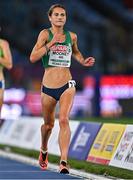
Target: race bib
[{"x": 60, "y": 56}]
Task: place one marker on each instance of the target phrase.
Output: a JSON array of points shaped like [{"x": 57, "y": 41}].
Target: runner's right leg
[{"x": 48, "y": 110}]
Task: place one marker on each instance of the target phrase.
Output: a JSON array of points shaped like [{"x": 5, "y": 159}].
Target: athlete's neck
[{"x": 57, "y": 30}]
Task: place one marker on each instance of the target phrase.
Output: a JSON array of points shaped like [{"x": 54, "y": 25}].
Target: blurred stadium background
[{"x": 105, "y": 31}]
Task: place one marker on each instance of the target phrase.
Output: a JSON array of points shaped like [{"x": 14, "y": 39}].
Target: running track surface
[{"x": 11, "y": 169}]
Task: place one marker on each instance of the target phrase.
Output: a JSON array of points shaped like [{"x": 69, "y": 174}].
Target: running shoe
[
  {"x": 64, "y": 168},
  {"x": 43, "y": 160}
]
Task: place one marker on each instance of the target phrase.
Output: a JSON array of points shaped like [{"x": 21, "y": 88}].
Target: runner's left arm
[{"x": 78, "y": 55}]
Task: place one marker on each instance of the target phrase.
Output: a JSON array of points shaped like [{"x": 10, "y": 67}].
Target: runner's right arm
[{"x": 39, "y": 49}]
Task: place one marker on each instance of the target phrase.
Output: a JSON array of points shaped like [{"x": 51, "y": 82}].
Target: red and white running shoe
[{"x": 43, "y": 160}]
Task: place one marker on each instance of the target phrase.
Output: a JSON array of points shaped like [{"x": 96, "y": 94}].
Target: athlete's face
[{"x": 58, "y": 17}]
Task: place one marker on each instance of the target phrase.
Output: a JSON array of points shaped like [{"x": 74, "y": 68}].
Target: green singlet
[{"x": 59, "y": 54}]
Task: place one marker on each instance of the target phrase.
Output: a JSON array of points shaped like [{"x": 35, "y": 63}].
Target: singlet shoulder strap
[
  {"x": 1, "y": 51},
  {"x": 68, "y": 36},
  {"x": 50, "y": 35}
]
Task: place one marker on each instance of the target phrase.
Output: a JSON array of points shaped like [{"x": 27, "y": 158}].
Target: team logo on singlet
[{"x": 60, "y": 55}]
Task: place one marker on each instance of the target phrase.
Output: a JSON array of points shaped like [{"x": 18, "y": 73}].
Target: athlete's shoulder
[
  {"x": 4, "y": 42},
  {"x": 43, "y": 35},
  {"x": 44, "y": 32},
  {"x": 73, "y": 35}
]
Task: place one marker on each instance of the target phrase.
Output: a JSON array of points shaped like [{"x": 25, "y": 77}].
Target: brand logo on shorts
[{"x": 72, "y": 83}]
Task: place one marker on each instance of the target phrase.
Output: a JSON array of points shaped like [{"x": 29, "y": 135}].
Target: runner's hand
[
  {"x": 58, "y": 38},
  {"x": 89, "y": 61}
]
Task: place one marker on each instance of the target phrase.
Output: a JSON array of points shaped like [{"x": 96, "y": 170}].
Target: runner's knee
[
  {"x": 63, "y": 121},
  {"x": 47, "y": 126}
]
